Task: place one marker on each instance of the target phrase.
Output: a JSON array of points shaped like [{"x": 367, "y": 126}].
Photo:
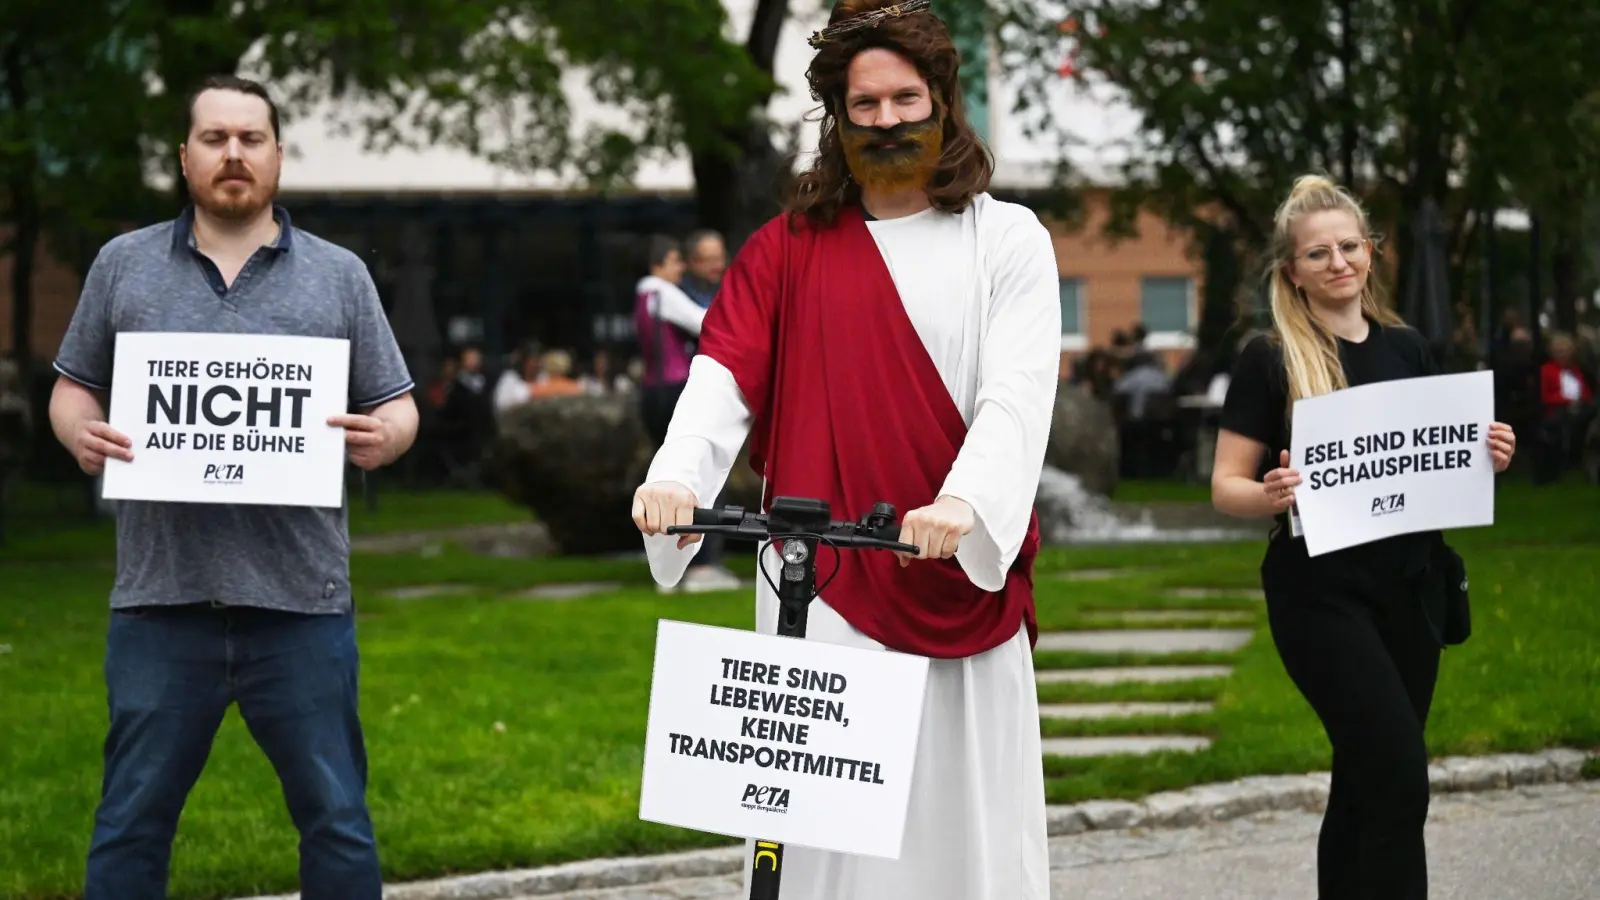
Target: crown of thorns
[{"x": 866, "y": 20}]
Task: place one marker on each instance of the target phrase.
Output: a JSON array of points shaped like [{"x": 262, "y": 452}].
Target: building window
[
  {"x": 1074, "y": 318},
  {"x": 1167, "y": 309}
]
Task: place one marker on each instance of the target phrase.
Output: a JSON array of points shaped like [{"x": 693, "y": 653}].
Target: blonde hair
[
  {"x": 1310, "y": 351},
  {"x": 557, "y": 363}
]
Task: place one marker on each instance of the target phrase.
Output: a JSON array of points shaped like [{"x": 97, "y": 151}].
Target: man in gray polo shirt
[{"x": 215, "y": 603}]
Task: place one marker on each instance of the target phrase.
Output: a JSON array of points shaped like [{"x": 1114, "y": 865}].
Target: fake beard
[{"x": 899, "y": 158}]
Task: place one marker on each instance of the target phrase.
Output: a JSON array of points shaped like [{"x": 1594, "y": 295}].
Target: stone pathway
[
  {"x": 1120, "y": 710},
  {"x": 1535, "y": 842},
  {"x": 1094, "y": 574},
  {"x": 1193, "y": 593},
  {"x": 1171, "y": 640},
  {"x": 1174, "y": 616},
  {"x": 423, "y": 591},
  {"x": 514, "y": 540},
  {"x": 571, "y": 590},
  {"x": 1130, "y": 674},
  {"x": 1163, "y": 633},
  {"x": 1127, "y": 745}
]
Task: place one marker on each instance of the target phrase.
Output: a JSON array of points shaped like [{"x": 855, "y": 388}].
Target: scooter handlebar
[
  {"x": 733, "y": 521},
  {"x": 724, "y": 516}
]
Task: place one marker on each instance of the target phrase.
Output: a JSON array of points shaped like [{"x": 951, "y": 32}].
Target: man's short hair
[
  {"x": 692, "y": 242},
  {"x": 243, "y": 86}
]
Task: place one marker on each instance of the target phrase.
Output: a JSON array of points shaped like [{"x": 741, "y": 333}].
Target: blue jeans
[{"x": 171, "y": 673}]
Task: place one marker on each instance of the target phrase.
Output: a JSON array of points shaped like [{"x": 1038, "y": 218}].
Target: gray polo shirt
[{"x": 154, "y": 279}]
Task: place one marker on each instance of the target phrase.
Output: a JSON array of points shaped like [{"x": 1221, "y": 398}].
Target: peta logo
[
  {"x": 770, "y": 799},
  {"x": 223, "y": 473},
  {"x": 1393, "y": 503}
]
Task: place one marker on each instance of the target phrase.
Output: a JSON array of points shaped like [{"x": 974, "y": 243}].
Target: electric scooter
[{"x": 802, "y": 525}]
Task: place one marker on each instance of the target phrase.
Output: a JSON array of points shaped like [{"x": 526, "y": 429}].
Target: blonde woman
[{"x": 1350, "y": 626}]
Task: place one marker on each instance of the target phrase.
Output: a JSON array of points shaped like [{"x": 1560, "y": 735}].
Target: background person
[
  {"x": 1567, "y": 400},
  {"x": 668, "y": 322},
  {"x": 1349, "y": 625}
]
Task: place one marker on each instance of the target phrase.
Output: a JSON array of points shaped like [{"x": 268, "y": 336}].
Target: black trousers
[{"x": 1358, "y": 647}]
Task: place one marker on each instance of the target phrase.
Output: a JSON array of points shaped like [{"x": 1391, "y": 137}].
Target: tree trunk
[
  {"x": 734, "y": 191},
  {"x": 1347, "y": 130},
  {"x": 26, "y": 217},
  {"x": 24, "y": 250},
  {"x": 1535, "y": 282},
  {"x": 1564, "y": 278},
  {"x": 1218, "y": 310}
]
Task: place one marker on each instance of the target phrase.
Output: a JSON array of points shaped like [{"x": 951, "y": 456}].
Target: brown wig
[{"x": 964, "y": 167}]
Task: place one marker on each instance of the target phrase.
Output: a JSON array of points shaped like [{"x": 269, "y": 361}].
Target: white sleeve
[
  {"x": 509, "y": 392},
  {"x": 708, "y": 427},
  {"x": 674, "y": 306},
  {"x": 997, "y": 470}
]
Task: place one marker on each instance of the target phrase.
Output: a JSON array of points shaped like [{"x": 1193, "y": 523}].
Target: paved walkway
[{"x": 1538, "y": 843}]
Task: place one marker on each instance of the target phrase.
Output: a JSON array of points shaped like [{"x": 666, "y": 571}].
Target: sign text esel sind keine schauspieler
[{"x": 1395, "y": 457}]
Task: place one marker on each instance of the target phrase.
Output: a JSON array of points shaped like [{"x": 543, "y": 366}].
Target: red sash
[{"x": 848, "y": 407}]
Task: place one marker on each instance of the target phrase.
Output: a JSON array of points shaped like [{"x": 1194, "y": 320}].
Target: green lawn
[{"x": 506, "y": 732}]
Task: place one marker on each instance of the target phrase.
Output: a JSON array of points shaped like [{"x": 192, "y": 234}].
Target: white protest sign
[
  {"x": 1394, "y": 457},
  {"x": 782, "y": 739},
  {"x": 229, "y": 418}
]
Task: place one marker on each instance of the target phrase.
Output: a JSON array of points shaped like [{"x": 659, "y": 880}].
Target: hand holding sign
[
  {"x": 1279, "y": 484},
  {"x": 1502, "y": 445},
  {"x": 366, "y": 439},
  {"x": 94, "y": 441}
]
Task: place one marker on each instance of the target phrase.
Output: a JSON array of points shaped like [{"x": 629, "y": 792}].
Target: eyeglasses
[{"x": 1352, "y": 249}]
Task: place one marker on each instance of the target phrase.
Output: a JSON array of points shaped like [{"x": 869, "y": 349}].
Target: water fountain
[{"x": 1071, "y": 514}]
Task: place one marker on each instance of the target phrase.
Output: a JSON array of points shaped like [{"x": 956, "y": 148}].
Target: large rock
[
  {"x": 1083, "y": 440},
  {"x": 576, "y": 461}
]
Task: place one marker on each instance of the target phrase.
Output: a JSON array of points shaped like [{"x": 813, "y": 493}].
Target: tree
[
  {"x": 82, "y": 123},
  {"x": 666, "y": 66},
  {"x": 1536, "y": 130},
  {"x": 1238, "y": 97},
  {"x": 69, "y": 154}
]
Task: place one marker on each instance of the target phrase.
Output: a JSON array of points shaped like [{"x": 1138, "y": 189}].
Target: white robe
[{"x": 982, "y": 290}]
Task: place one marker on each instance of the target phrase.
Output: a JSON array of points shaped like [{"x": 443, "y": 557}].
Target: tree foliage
[
  {"x": 70, "y": 123},
  {"x": 1469, "y": 103},
  {"x": 93, "y": 93},
  {"x": 494, "y": 78}
]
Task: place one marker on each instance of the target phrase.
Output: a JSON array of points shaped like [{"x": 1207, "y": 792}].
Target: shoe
[{"x": 704, "y": 579}]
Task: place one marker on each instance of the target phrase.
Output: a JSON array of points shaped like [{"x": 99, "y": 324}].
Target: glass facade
[
  {"x": 1166, "y": 304},
  {"x": 498, "y": 271}
]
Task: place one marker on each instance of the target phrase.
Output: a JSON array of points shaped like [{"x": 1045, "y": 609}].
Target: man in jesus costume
[{"x": 894, "y": 335}]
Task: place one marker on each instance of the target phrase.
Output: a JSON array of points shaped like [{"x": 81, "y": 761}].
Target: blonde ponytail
[{"x": 1310, "y": 351}]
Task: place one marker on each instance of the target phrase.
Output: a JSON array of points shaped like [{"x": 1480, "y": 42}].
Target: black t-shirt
[{"x": 1256, "y": 407}]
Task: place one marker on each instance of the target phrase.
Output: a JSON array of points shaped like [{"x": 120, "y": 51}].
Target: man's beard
[
  {"x": 909, "y": 164},
  {"x": 233, "y": 202}
]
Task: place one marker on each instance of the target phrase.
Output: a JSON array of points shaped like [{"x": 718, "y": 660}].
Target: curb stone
[{"x": 1169, "y": 809}]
